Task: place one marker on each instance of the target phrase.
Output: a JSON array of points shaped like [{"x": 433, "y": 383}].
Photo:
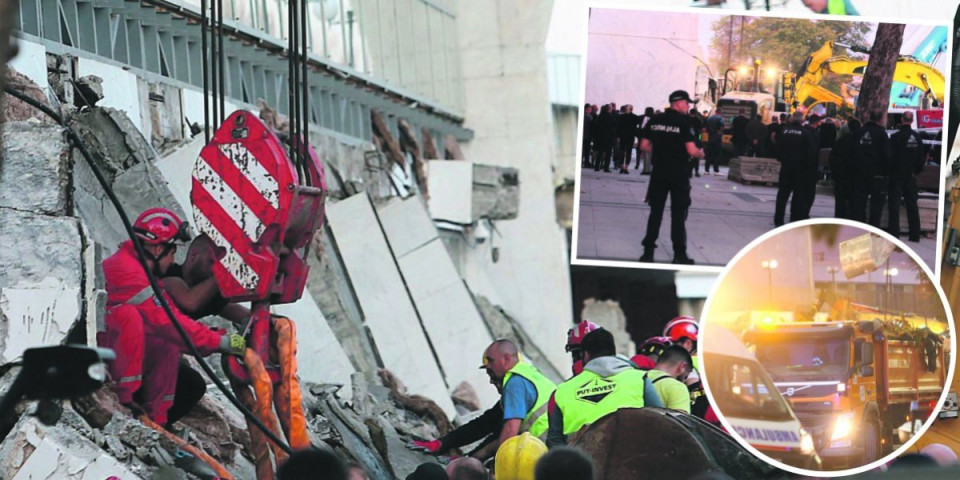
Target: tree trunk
[{"x": 877, "y": 80}]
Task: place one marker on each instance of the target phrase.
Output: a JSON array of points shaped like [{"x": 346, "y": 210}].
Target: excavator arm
[{"x": 909, "y": 71}]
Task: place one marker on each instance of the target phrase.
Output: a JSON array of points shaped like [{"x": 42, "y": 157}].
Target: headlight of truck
[
  {"x": 842, "y": 426},
  {"x": 806, "y": 442}
]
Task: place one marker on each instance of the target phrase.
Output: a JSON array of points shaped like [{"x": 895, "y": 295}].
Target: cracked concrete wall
[{"x": 41, "y": 282}]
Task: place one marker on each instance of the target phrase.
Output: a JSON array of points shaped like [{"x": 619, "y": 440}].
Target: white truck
[{"x": 747, "y": 399}]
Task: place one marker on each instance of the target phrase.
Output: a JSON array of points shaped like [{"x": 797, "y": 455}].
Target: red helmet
[
  {"x": 681, "y": 327},
  {"x": 574, "y": 337},
  {"x": 156, "y": 226},
  {"x": 654, "y": 346}
]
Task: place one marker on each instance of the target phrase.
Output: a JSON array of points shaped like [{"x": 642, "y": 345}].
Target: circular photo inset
[{"x": 826, "y": 347}]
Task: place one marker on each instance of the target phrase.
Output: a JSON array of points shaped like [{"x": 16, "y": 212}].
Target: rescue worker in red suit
[{"x": 146, "y": 343}]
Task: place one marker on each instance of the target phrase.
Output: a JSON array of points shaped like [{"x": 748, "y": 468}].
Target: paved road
[{"x": 724, "y": 218}]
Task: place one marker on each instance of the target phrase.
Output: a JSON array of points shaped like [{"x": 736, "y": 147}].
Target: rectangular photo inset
[{"x": 701, "y": 131}]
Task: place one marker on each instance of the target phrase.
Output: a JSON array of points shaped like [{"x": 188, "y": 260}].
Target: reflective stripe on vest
[
  {"x": 836, "y": 7},
  {"x": 536, "y": 420},
  {"x": 587, "y": 397},
  {"x": 140, "y": 297}
]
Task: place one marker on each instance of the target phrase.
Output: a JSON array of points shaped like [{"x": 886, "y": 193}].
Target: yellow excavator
[{"x": 807, "y": 92}]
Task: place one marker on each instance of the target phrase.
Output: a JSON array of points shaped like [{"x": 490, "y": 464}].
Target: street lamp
[
  {"x": 889, "y": 273},
  {"x": 769, "y": 265}
]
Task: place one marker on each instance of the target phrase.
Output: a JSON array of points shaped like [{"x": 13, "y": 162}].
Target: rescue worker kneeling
[
  {"x": 606, "y": 384},
  {"x": 146, "y": 343}
]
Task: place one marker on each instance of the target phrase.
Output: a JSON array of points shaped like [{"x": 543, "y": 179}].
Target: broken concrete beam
[
  {"x": 496, "y": 192},
  {"x": 89, "y": 91},
  {"x": 125, "y": 157},
  {"x": 451, "y": 148},
  {"x": 429, "y": 146},
  {"x": 390, "y": 146},
  {"x": 408, "y": 140},
  {"x": 33, "y": 450},
  {"x": 40, "y": 284},
  {"x": 36, "y": 170}
]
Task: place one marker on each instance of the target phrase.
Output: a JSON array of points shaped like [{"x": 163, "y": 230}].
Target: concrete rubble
[
  {"x": 376, "y": 310},
  {"x": 609, "y": 315}
]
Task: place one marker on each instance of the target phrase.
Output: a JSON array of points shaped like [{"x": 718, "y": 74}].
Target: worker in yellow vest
[
  {"x": 831, "y": 7},
  {"x": 606, "y": 384},
  {"x": 667, "y": 376},
  {"x": 524, "y": 393}
]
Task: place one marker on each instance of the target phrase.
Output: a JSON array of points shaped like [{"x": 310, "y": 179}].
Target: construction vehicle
[
  {"x": 852, "y": 382},
  {"x": 748, "y": 400},
  {"x": 808, "y": 93}
]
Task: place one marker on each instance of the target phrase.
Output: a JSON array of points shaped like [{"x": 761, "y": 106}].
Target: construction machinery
[
  {"x": 807, "y": 91},
  {"x": 853, "y": 382}
]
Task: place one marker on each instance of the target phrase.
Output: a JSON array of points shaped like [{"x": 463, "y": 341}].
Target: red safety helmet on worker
[
  {"x": 574, "y": 338},
  {"x": 146, "y": 342},
  {"x": 683, "y": 331}
]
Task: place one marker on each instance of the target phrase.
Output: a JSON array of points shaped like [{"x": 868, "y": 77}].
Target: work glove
[
  {"x": 233, "y": 344},
  {"x": 429, "y": 446}
]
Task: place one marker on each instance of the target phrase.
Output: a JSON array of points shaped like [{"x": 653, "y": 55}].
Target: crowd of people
[{"x": 871, "y": 171}]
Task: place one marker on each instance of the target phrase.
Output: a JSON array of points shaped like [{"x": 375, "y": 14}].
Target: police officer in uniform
[
  {"x": 872, "y": 148},
  {"x": 795, "y": 146},
  {"x": 671, "y": 138},
  {"x": 908, "y": 160}
]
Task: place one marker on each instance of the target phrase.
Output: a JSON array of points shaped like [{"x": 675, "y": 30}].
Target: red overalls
[{"x": 147, "y": 344}]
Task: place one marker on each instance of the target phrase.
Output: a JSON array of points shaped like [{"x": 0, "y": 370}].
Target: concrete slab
[
  {"x": 177, "y": 169},
  {"x": 120, "y": 89},
  {"x": 453, "y": 323},
  {"x": 316, "y": 341},
  {"x": 724, "y": 218},
  {"x": 387, "y": 307}
]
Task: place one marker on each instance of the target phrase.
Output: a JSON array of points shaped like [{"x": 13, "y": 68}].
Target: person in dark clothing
[
  {"x": 603, "y": 136},
  {"x": 672, "y": 140},
  {"x": 872, "y": 149},
  {"x": 807, "y": 183},
  {"x": 587, "y": 143},
  {"x": 756, "y": 133},
  {"x": 714, "y": 148},
  {"x": 642, "y": 122},
  {"x": 696, "y": 120},
  {"x": 795, "y": 145},
  {"x": 627, "y": 133},
  {"x": 843, "y": 169},
  {"x": 828, "y": 133},
  {"x": 194, "y": 290},
  {"x": 769, "y": 142},
  {"x": 908, "y": 161},
  {"x": 739, "y": 139}
]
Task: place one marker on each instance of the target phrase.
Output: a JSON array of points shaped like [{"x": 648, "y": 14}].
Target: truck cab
[
  {"x": 751, "y": 403},
  {"x": 850, "y": 383}
]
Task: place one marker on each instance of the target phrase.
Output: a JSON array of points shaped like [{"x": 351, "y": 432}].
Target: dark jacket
[
  {"x": 908, "y": 152},
  {"x": 872, "y": 149}
]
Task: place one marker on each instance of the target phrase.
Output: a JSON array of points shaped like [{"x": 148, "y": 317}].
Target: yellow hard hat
[{"x": 517, "y": 457}]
